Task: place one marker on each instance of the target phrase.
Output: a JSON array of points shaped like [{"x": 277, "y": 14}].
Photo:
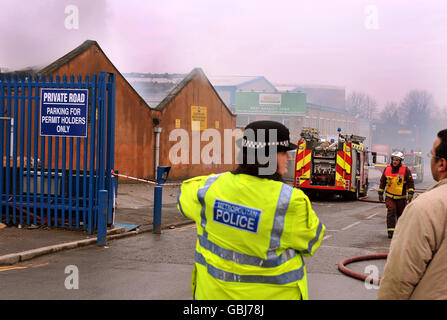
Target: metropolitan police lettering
[{"x": 236, "y": 215}]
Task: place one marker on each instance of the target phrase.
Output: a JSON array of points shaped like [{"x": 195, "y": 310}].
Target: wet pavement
[
  {"x": 133, "y": 214},
  {"x": 353, "y": 229}
]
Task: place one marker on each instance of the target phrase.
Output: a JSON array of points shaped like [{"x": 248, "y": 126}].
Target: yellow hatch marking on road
[{"x": 11, "y": 268}]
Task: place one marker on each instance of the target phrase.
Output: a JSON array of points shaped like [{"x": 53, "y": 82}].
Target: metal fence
[{"x": 55, "y": 180}]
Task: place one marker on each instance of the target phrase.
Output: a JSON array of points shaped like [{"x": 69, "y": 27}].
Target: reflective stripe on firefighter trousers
[
  {"x": 273, "y": 260},
  {"x": 392, "y": 196}
]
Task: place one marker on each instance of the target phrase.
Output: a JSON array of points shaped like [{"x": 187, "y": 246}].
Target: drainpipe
[{"x": 157, "y": 131}]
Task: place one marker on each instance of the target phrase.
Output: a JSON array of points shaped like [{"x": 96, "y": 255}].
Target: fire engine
[
  {"x": 383, "y": 156},
  {"x": 414, "y": 161},
  {"x": 337, "y": 166}
]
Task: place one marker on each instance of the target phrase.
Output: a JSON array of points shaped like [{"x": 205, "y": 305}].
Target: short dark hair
[
  {"x": 253, "y": 169},
  {"x": 441, "y": 150}
]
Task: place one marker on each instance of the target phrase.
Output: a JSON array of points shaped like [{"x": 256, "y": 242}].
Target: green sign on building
[{"x": 278, "y": 103}]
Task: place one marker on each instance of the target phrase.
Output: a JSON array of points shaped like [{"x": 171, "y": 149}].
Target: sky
[{"x": 380, "y": 47}]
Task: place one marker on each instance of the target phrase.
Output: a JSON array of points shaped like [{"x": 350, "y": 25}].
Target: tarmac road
[
  {"x": 149, "y": 266},
  {"x": 146, "y": 266}
]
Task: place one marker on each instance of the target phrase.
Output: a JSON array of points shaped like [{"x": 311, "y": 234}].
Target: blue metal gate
[{"x": 53, "y": 180}]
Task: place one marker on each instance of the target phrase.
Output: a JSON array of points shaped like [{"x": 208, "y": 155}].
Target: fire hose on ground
[
  {"x": 361, "y": 276},
  {"x": 342, "y": 264}
]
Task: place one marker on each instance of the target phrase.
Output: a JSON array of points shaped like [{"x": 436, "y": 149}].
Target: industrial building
[
  {"x": 149, "y": 123},
  {"x": 137, "y": 123}
]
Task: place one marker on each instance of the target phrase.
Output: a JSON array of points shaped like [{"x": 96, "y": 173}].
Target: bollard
[
  {"x": 162, "y": 176},
  {"x": 102, "y": 217},
  {"x": 158, "y": 191}
]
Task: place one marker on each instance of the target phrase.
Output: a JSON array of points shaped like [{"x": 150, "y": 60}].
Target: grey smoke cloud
[
  {"x": 381, "y": 47},
  {"x": 35, "y": 32}
]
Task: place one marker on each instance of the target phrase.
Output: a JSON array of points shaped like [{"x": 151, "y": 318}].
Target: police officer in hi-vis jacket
[
  {"x": 396, "y": 181},
  {"x": 252, "y": 229}
]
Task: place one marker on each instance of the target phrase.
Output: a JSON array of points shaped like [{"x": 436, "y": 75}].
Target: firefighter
[
  {"x": 253, "y": 229},
  {"x": 396, "y": 181}
]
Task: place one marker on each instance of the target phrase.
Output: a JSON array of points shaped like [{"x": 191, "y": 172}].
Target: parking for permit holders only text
[{"x": 63, "y": 112}]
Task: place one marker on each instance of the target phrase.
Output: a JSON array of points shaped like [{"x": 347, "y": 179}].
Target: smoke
[
  {"x": 35, "y": 33},
  {"x": 384, "y": 48}
]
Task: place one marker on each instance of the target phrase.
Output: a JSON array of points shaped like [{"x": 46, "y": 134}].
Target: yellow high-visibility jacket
[
  {"x": 397, "y": 184},
  {"x": 251, "y": 236}
]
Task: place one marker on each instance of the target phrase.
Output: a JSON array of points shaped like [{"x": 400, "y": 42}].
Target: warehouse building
[
  {"x": 139, "y": 125},
  {"x": 134, "y": 138},
  {"x": 194, "y": 119}
]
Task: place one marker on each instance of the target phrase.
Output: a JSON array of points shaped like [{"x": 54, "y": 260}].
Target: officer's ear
[{"x": 442, "y": 164}]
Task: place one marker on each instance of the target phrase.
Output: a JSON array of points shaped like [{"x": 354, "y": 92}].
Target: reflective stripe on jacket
[
  {"x": 395, "y": 182},
  {"x": 251, "y": 236}
]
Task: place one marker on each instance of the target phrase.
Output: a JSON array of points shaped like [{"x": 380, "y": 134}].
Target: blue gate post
[
  {"x": 162, "y": 176},
  {"x": 111, "y": 181},
  {"x": 102, "y": 217},
  {"x": 158, "y": 191}
]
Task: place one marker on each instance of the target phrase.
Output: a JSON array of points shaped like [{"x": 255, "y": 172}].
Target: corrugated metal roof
[
  {"x": 196, "y": 72},
  {"x": 153, "y": 90},
  {"x": 321, "y": 86},
  {"x": 287, "y": 88},
  {"x": 70, "y": 56},
  {"x": 231, "y": 81},
  {"x": 53, "y": 67},
  {"x": 331, "y": 109}
]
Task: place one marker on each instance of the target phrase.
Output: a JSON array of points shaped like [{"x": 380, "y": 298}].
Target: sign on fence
[
  {"x": 63, "y": 112},
  {"x": 55, "y": 176}
]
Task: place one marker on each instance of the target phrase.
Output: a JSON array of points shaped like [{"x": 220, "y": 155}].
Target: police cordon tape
[
  {"x": 365, "y": 199},
  {"x": 341, "y": 265},
  {"x": 144, "y": 180},
  {"x": 180, "y": 183}
]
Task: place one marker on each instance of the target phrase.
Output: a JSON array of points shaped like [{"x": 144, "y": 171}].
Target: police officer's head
[{"x": 264, "y": 149}]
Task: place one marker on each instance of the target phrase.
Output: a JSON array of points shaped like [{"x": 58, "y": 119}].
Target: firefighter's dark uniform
[{"x": 395, "y": 182}]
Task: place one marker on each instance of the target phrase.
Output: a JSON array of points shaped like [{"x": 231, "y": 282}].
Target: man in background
[{"x": 416, "y": 267}]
